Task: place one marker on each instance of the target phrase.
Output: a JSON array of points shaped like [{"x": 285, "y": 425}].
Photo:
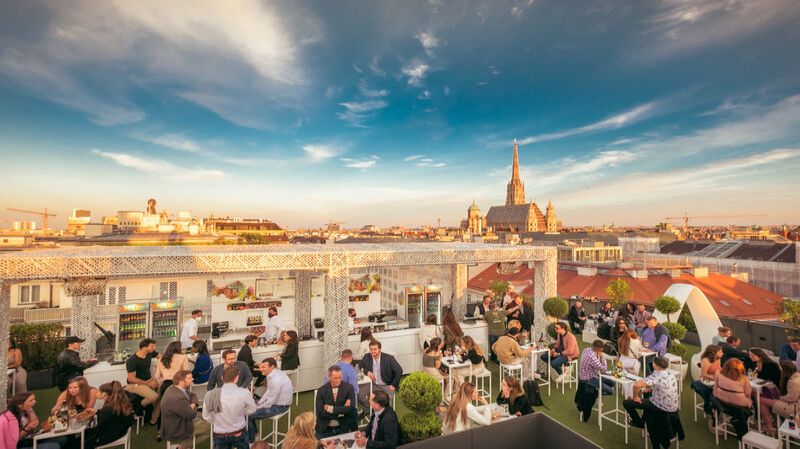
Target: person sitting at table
[
  {"x": 276, "y": 400},
  {"x": 786, "y": 404},
  {"x": 451, "y": 330},
  {"x": 335, "y": 406},
  {"x": 462, "y": 415},
  {"x": 655, "y": 337},
  {"x": 577, "y": 317},
  {"x": 564, "y": 351},
  {"x": 592, "y": 364},
  {"x": 301, "y": 435},
  {"x": 709, "y": 365},
  {"x": 663, "y": 400},
  {"x": 722, "y": 335},
  {"x": 619, "y": 329},
  {"x": 429, "y": 331},
  {"x": 606, "y": 313},
  {"x": 290, "y": 356},
  {"x": 474, "y": 355},
  {"x": 511, "y": 393},
  {"x": 19, "y": 424},
  {"x": 15, "y": 363},
  {"x": 229, "y": 359},
  {"x": 246, "y": 354},
  {"x": 140, "y": 381},
  {"x": 626, "y": 312},
  {"x": 730, "y": 349},
  {"x": 766, "y": 368},
  {"x": 383, "y": 430},
  {"x": 69, "y": 363},
  {"x": 432, "y": 360},
  {"x": 349, "y": 373},
  {"x": 202, "y": 364},
  {"x": 363, "y": 345},
  {"x": 509, "y": 351},
  {"x": 78, "y": 396},
  {"x": 382, "y": 369},
  {"x": 179, "y": 412},
  {"x": 113, "y": 419},
  {"x": 788, "y": 350},
  {"x": 629, "y": 347},
  {"x": 172, "y": 361},
  {"x": 733, "y": 391},
  {"x": 640, "y": 318}
]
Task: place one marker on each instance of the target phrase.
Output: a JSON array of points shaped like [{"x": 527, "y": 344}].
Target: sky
[{"x": 401, "y": 112}]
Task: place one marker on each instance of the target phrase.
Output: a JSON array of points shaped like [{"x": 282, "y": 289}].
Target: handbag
[{"x": 770, "y": 391}]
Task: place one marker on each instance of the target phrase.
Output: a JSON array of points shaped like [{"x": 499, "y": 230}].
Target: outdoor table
[
  {"x": 69, "y": 431},
  {"x": 12, "y": 373},
  {"x": 341, "y": 438},
  {"x": 785, "y": 433},
  {"x": 504, "y": 415},
  {"x": 534, "y": 360},
  {"x": 758, "y": 385},
  {"x": 613, "y": 415},
  {"x": 644, "y": 355},
  {"x": 452, "y": 362}
]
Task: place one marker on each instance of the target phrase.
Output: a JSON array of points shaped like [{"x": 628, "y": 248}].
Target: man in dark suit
[
  {"x": 730, "y": 350},
  {"x": 336, "y": 406},
  {"x": 382, "y": 430},
  {"x": 383, "y": 370},
  {"x": 179, "y": 411}
]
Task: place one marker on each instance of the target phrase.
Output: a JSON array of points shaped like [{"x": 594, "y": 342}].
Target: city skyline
[{"x": 401, "y": 113}]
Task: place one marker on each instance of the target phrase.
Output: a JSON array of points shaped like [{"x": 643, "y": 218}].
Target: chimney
[
  {"x": 587, "y": 271},
  {"x": 638, "y": 274},
  {"x": 700, "y": 272}
]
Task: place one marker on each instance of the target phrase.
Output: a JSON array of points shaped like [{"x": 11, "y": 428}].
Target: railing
[
  {"x": 47, "y": 315},
  {"x": 17, "y": 314}
]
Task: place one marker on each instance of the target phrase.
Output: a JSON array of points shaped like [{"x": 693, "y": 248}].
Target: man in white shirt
[
  {"x": 189, "y": 329},
  {"x": 508, "y": 298},
  {"x": 351, "y": 320},
  {"x": 275, "y": 326},
  {"x": 276, "y": 400},
  {"x": 227, "y": 408}
]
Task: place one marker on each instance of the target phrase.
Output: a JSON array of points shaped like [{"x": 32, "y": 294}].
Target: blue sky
[{"x": 402, "y": 112}]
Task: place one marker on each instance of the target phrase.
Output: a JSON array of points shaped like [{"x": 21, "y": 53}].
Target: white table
[
  {"x": 534, "y": 360},
  {"x": 613, "y": 415},
  {"x": 342, "y": 437},
  {"x": 757, "y": 387},
  {"x": 644, "y": 355},
  {"x": 785, "y": 433},
  {"x": 452, "y": 363},
  {"x": 51, "y": 434}
]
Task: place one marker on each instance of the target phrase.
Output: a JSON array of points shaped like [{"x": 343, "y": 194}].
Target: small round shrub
[{"x": 555, "y": 307}]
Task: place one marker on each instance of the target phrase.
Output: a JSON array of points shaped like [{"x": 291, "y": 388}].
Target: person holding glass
[{"x": 513, "y": 397}]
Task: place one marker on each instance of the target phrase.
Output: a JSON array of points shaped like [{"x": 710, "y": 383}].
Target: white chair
[
  {"x": 696, "y": 407},
  {"x": 124, "y": 441},
  {"x": 760, "y": 441},
  {"x": 200, "y": 390},
  {"x": 139, "y": 422},
  {"x": 723, "y": 426},
  {"x": 484, "y": 391},
  {"x": 511, "y": 370},
  {"x": 570, "y": 371},
  {"x": 294, "y": 375},
  {"x": 275, "y": 437}
]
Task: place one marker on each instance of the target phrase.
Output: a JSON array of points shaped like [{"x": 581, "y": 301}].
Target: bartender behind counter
[
  {"x": 275, "y": 328},
  {"x": 351, "y": 320}
]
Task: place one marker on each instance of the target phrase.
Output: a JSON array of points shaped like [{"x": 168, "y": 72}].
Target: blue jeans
[
  {"x": 252, "y": 426},
  {"x": 557, "y": 362},
  {"x": 608, "y": 384},
  {"x": 239, "y": 442},
  {"x": 705, "y": 392}
]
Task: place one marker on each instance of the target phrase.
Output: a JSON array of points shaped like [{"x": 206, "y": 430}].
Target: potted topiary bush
[
  {"x": 669, "y": 305},
  {"x": 555, "y": 308},
  {"x": 421, "y": 393}
]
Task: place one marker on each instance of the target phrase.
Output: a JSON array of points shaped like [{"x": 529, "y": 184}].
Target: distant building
[
  {"x": 244, "y": 226},
  {"x": 588, "y": 252},
  {"x": 76, "y": 223},
  {"x": 517, "y": 215},
  {"x": 23, "y": 226},
  {"x": 475, "y": 223}
]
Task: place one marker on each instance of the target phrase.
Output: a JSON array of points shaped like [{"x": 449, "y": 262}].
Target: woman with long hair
[
  {"x": 709, "y": 366},
  {"x": 428, "y": 331},
  {"x": 451, "y": 330},
  {"x": 302, "y": 434},
  {"x": 732, "y": 389},
  {"x": 619, "y": 329},
  {"x": 202, "y": 364},
  {"x": 172, "y": 361},
  {"x": 474, "y": 354},
  {"x": 15, "y": 363},
  {"x": 627, "y": 311},
  {"x": 290, "y": 357},
  {"x": 462, "y": 415},
  {"x": 19, "y": 423},
  {"x": 786, "y": 404},
  {"x": 511, "y": 393},
  {"x": 629, "y": 347},
  {"x": 766, "y": 368},
  {"x": 78, "y": 395},
  {"x": 363, "y": 346},
  {"x": 432, "y": 359},
  {"x": 114, "y": 419}
]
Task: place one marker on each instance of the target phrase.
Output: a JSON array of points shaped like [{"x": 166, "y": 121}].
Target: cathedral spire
[
  {"x": 515, "y": 191},
  {"x": 515, "y": 164}
]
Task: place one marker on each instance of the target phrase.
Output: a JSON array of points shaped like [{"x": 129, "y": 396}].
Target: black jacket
[
  {"x": 215, "y": 378},
  {"x": 731, "y": 352},
  {"x": 386, "y": 437},
  {"x": 520, "y": 404},
  {"x": 69, "y": 365},
  {"x": 391, "y": 372},
  {"x": 290, "y": 358},
  {"x": 110, "y": 427},
  {"x": 345, "y": 414},
  {"x": 246, "y": 355},
  {"x": 585, "y": 397}
]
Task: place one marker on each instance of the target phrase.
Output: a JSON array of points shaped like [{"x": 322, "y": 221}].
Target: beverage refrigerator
[
  {"x": 133, "y": 326},
  {"x": 415, "y": 306},
  {"x": 165, "y": 323},
  {"x": 433, "y": 302}
]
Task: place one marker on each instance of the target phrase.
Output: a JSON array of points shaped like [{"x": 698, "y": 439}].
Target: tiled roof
[
  {"x": 683, "y": 247},
  {"x": 728, "y": 296},
  {"x": 516, "y": 215},
  {"x": 776, "y": 252}
]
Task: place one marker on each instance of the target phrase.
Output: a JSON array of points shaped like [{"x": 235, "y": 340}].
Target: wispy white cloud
[
  {"x": 364, "y": 89},
  {"x": 424, "y": 95},
  {"x": 416, "y": 71},
  {"x": 320, "y": 152},
  {"x": 518, "y": 9},
  {"x": 173, "y": 141},
  {"x": 361, "y": 163},
  {"x": 429, "y": 41},
  {"x": 160, "y": 168},
  {"x": 374, "y": 66},
  {"x": 422, "y": 161},
  {"x": 414, "y": 157},
  {"x": 356, "y": 113},
  {"x": 561, "y": 172},
  {"x": 615, "y": 121}
]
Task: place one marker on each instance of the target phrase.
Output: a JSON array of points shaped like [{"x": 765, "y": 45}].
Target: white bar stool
[
  {"x": 275, "y": 435},
  {"x": 124, "y": 441},
  {"x": 760, "y": 441},
  {"x": 570, "y": 375},
  {"x": 511, "y": 370}
]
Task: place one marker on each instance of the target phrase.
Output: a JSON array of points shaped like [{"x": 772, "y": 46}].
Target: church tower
[
  {"x": 515, "y": 192},
  {"x": 476, "y": 223},
  {"x": 550, "y": 217}
]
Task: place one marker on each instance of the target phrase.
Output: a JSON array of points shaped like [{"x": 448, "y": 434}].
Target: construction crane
[
  {"x": 45, "y": 215},
  {"x": 686, "y": 217}
]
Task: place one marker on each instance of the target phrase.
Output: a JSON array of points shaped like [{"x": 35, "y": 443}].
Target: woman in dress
[
  {"x": 113, "y": 419},
  {"x": 203, "y": 364},
  {"x": 511, "y": 393},
  {"x": 290, "y": 357}
]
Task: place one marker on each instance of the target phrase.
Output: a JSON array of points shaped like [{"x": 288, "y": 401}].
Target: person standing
[
  {"x": 722, "y": 335},
  {"x": 140, "y": 381},
  {"x": 290, "y": 356},
  {"x": 335, "y": 406},
  {"x": 275, "y": 327},
  {"x": 15, "y": 363},
  {"x": 383, "y": 430},
  {"x": 483, "y": 307},
  {"x": 451, "y": 330},
  {"x": 179, "y": 420},
  {"x": 509, "y": 296},
  {"x": 496, "y": 327},
  {"x": 229, "y": 360},
  {"x": 227, "y": 409},
  {"x": 276, "y": 400},
  {"x": 69, "y": 363},
  {"x": 189, "y": 329},
  {"x": 351, "y": 320},
  {"x": 428, "y": 331},
  {"x": 382, "y": 369}
]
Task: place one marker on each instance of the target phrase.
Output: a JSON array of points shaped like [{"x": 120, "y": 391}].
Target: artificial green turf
[{"x": 558, "y": 406}]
